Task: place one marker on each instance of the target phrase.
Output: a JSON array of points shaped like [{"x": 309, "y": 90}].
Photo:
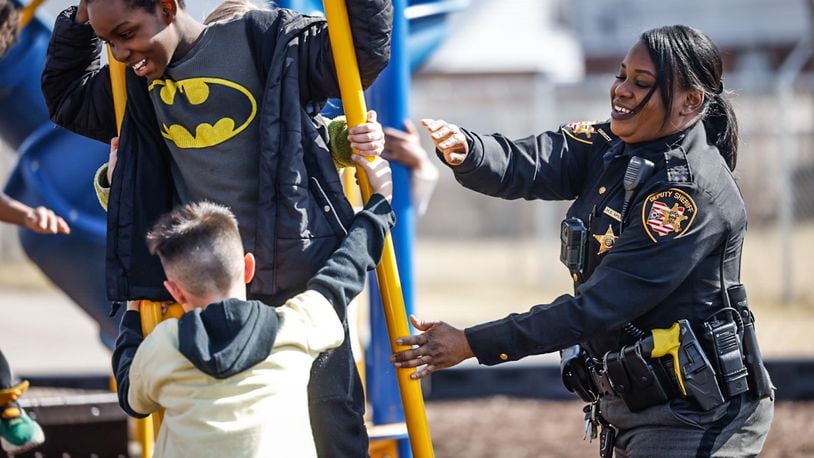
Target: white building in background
[
  {"x": 743, "y": 27},
  {"x": 510, "y": 36}
]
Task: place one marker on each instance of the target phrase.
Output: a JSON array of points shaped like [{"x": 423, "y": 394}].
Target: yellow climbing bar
[
  {"x": 353, "y": 100},
  {"x": 27, "y": 13},
  {"x": 151, "y": 312},
  {"x": 119, "y": 88}
]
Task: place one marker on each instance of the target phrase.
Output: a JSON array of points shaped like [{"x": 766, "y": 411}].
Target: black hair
[
  {"x": 682, "y": 52},
  {"x": 147, "y": 5}
]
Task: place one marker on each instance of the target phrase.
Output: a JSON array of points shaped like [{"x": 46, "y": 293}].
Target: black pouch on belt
[{"x": 637, "y": 381}]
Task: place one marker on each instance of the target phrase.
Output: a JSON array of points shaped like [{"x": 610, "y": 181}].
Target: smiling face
[
  {"x": 143, "y": 40},
  {"x": 635, "y": 122}
]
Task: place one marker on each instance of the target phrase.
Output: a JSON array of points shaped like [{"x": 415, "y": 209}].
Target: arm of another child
[
  {"x": 40, "y": 220},
  {"x": 343, "y": 275}
]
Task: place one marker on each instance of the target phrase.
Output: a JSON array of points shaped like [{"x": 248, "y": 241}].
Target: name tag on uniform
[{"x": 613, "y": 214}]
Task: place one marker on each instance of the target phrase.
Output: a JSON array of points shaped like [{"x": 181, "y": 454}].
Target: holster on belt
[{"x": 640, "y": 382}]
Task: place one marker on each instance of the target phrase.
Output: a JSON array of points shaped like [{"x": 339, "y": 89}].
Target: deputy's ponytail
[
  {"x": 688, "y": 55},
  {"x": 722, "y": 128}
]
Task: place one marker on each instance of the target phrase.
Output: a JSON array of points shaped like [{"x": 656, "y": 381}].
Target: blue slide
[{"x": 55, "y": 169}]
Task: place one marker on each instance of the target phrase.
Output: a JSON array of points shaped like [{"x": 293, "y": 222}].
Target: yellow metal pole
[
  {"x": 27, "y": 13},
  {"x": 119, "y": 88},
  {"x": 353, "y": 100},
  {"x": 152, "y": 313}
]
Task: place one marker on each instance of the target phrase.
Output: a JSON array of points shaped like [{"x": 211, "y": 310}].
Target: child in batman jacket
[
  {"x": 232, "y": 373},
  {"x": 227, "y": 113}
]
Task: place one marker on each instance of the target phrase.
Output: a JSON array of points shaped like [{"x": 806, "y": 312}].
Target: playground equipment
[
  {"x": 387, "y": 272},
  {"x": 56, "y": 167}
]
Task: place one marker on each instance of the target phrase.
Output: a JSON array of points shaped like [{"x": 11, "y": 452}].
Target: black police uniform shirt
[{"x": 661, "y": 263}]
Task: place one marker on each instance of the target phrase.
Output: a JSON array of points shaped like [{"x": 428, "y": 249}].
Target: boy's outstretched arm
[
  {"x": 130, "y": 337},
  {"x": 343, "y": 275},
  {"x": 76, "y": 87}
]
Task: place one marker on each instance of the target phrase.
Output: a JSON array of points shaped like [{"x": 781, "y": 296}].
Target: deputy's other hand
[
  {"x": 449, "y": 140},
  {"x": 368, "y": 138},
  {"x": 438, "y": 347}
]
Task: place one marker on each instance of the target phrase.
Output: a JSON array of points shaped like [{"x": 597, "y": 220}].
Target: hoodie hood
[{"x": 228, "y": 337}]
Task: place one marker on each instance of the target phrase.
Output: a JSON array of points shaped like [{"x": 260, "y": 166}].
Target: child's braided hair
[{"x": 9, "y": 25}]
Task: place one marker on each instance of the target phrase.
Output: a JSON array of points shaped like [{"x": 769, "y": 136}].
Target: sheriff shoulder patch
[
  {"x": 668, "y": 214},
  {"x": 582, "y": 131}
]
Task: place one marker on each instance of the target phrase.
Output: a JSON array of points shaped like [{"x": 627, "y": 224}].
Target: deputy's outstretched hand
[
  {"x": 449, "y": 140},
  {"x": 439, "y": 346},
  {"x": 368, "y": 138}
]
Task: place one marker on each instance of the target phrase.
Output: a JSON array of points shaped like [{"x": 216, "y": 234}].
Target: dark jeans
[{"x": 678, "y": 428}]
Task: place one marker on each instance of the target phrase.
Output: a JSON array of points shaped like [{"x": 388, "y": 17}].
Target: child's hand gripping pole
[
  {"x": 28, "y": 11},
  {"x": 353, "y": 101}
]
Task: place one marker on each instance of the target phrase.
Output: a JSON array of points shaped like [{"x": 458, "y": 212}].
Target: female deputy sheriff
[{"x": 668, "y": 358}]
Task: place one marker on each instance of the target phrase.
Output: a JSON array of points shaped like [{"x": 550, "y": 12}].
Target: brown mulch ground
[{"x": 520, "y": 428}]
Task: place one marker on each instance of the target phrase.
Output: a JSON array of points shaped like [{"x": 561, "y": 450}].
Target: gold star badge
[
  {"x": 674, "y": 217},
  {"x": 605, "y": 240}
]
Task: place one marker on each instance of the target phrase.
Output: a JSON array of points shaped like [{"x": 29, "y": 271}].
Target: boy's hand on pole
[
  {"x": 449, "y": 140},
  {"x": 378, "y": 174},
  {"x": 367, "y": 139}
]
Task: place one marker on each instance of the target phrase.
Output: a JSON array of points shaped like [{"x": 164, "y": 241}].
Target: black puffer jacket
[
  {"x": 302, "y": 212},
  {"x": 651, "y": 262}
]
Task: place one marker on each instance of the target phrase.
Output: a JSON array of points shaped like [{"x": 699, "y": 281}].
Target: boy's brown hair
[{"x": 200, "y": 247}]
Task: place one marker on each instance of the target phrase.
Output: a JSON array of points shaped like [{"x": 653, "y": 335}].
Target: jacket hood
[{"x": 228, "y": 337}]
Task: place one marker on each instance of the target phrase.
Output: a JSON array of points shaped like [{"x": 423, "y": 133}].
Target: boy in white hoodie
[{"x": 232, "y": 374}]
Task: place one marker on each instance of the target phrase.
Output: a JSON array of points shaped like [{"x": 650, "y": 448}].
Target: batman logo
[{"x": 228, "y": 99}]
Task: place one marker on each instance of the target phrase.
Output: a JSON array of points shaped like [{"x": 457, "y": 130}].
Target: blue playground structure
[{"x": 56, "y": 167}]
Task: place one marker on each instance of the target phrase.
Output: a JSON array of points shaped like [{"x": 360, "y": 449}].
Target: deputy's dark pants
[{"x": 678, "y": 428}]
